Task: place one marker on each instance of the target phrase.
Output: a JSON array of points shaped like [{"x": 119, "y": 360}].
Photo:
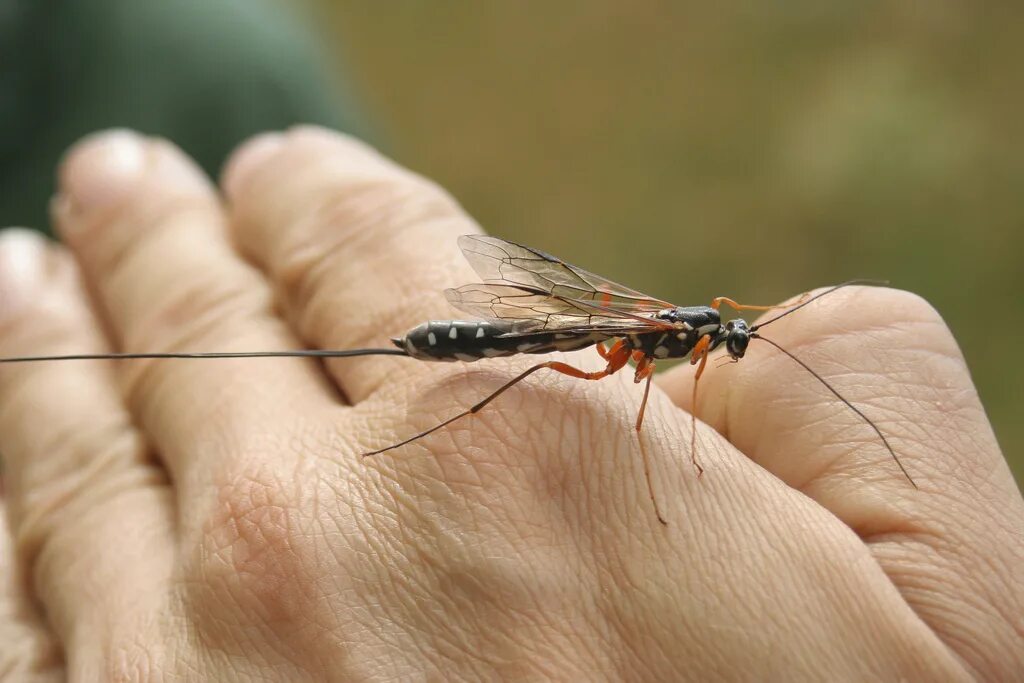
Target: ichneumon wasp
[{"x": 533, "y": 303}]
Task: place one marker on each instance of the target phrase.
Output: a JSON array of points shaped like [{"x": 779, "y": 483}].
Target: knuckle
[
  {"x": 87, "y": 466},
  {"x": 350, "y": 223},
  {"x": 113, "y": 239},
  {"x": 251, "y": 559},
  {"x": 208, "y": 310},
  {"x": 388, "y": 202},
  {"x": 359, "y": 235},
  {"x": 203, "y": 302}
]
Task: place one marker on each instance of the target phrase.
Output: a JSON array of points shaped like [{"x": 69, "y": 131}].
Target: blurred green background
[
  {"x": 689, "y": 150},
  {"x": 748, "y": 149}
]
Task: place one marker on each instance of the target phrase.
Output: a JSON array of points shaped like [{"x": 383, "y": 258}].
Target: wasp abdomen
[
  {"x": 470, "y": 340},
  {"x": 456, "y": 340}
]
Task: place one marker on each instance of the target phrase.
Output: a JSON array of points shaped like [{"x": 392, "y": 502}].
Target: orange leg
[
  {"x": 717, "y": 302},
  {"x": 700, "y": 350},
  {"x": 644, "y": 370},
  {"x": 698, "y": 355},
  {"x": 647, "y": 370},
  {"x": 601, "y": 350}
]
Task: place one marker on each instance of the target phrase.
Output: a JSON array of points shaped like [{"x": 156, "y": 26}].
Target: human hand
[{"x": 213, "y": 520}]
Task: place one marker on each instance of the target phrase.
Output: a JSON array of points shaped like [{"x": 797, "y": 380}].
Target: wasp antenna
[
  {"x": 305, "y": 353},
  {"x": 849, "y": 405},
  {"x": 848, "y": 283}
]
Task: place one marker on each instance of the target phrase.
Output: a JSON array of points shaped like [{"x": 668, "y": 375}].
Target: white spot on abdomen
[
  {"x": 431, "y": 338},
  {"x": 479, "y": 332},
  {"x": 453, "y": 333}
]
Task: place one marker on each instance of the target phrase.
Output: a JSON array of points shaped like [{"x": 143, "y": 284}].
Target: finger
[
  {"x": 89, "y": 512},
  {"x": 360, "y": 248},
  {"x": 30, "y": 653},
  {"x": 148, "y": 231},
  {"x": 890, "y": 354}
]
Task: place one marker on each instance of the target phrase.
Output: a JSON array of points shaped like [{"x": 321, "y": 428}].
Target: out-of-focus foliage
[{"x": 756, "y": 151}]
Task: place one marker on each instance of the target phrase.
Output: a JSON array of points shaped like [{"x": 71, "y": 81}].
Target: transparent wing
[
  {"x": 500, "y": 261},
  {"x": 533, "y": 310}
]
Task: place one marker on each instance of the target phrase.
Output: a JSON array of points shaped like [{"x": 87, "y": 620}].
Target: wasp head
[{"x": 736, "y": 335}]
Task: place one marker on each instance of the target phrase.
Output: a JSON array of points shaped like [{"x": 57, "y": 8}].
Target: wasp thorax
[{"x": 737, "y": 336}]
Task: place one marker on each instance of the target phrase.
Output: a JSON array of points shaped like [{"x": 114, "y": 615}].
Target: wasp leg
[
  {"x": 717, "y": 302},
  {"x": 645, "y": 370},
  {"x": 649, "y": 372},
  {"x": 698, "y": 355},
  {"x": 618, "y": 356}
]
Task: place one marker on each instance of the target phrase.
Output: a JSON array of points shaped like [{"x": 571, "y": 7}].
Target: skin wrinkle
[
  {"x": 96, "y": 635},
  {"x": 362, "y": 557},
  {"x": 421, "y": 621},
  {"x": 553, "y": 616},
  {"x": 623, "y": 632},
  {"x": 340, "y": 198},
  {"x": 872, "y": 414},
  {"x": 854, "y": 610},
  {"x": 589, "y": 574},
  {"x": 81, "y": 488},
  {"x": 219, "y": 416},
  {"x": 803, "y": 425},
  {"x": 195, "y": 307},
  {"x": 957, "y": 630},
  {"x": 934, "y": 622},
  {"x": 787, "y": 548},
  {"x": 626, "y": 612},
  {"x": 301, "y": 272},
  {"x": 980, "y": 589}
]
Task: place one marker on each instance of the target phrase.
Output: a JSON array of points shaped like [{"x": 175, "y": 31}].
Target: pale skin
[{"x": 212, "y": 520}]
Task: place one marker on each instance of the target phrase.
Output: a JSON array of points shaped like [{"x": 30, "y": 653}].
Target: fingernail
[
  {"x": 24, "y": 268},
  {"x": 101, "y": 169},
  {"x": 247, "y": 159}
]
